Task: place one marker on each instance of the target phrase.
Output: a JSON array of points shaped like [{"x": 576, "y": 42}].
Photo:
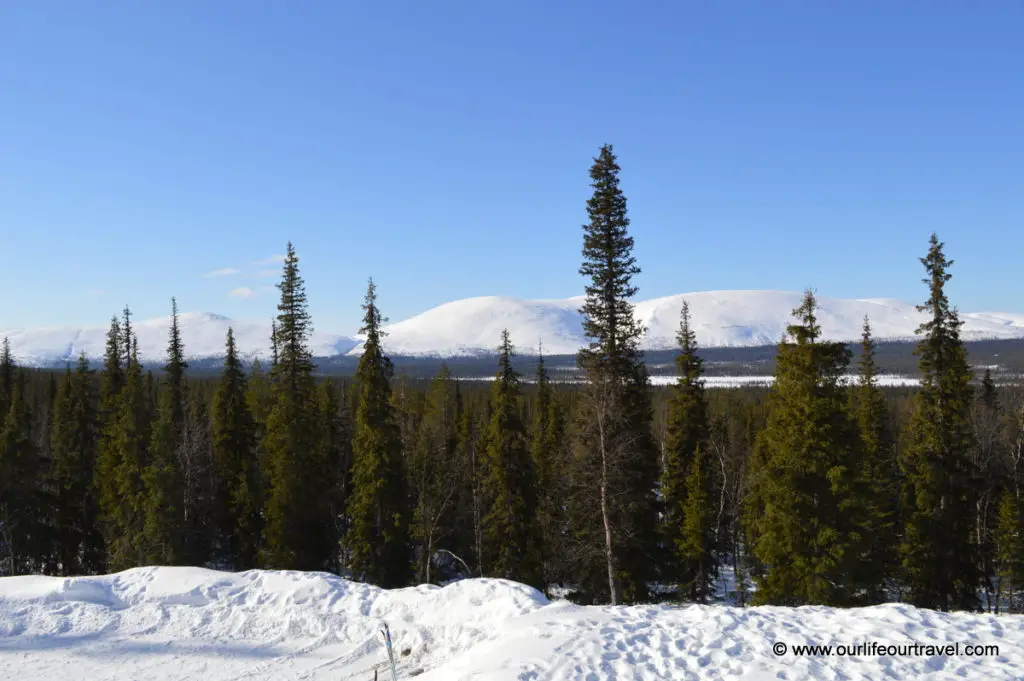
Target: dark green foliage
[
  {"x": 200, "y": 486},
  {"x": 610, "y": 266},
  {"x": 23, "y": 499},
  {"x": 335, "y": 453},
  {"x": 510, "y": 547},
  {"x": 435, "y": 474},
  {"x": 74, "y": 445},
  {"x": 469, "y": 455},
  {"x": 802, "y": 513},
  {"x": 166, "y": 516},
  {"x": 293, "y": 511},
  {"x": 1010, "y": 551},
  {"x": 613, "y": 510},
  {"x": 238, "y": 502},
  {"x": 878, "y": 488},
  {"x": 112, "y": 382},
  {"x": 986, "y": 459},
  {"x": 122, "y": 496},
  {"x": 690, "y": 540},
  {"x": 377, "y": 542},
  {"x": 6, "y": 378},
  {"x": 549, "y": 453},
  {"x": 938, "y": 551},
  {"x": 695, "y": 545}
]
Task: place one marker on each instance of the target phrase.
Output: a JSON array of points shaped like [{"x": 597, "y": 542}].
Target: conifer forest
[{"x": 826, "y": 488}]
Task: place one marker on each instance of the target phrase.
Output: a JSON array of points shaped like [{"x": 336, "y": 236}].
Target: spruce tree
[
  {"x": 509, "y": 490},
  {"x": 1010, "y": 550},
  {"x": 199, "y": 486},
  {"x": 695, "y": 545},
  {"x": 293, "y": 511},
  {"x": 802, "y": 513},
  {"x": 167, "y": 520},
  {"x": 236, "y": 466},
  {"x": 113, "y": 375},
  {"x": 123, "y": 498},
  {"x": 435, "y": 473},
  {"x": 127, "y": 339},
  {"x": 550, "y": 461},
  {"x": 690, "y": 540},
  {"x": 987, "y": 427},
  {"x": 74, "y": 442},
  {"x": 878, "y": 476},
  {"x": 470, "y": 516},
  {"x": 615, "y": 458},
  {"x": 939, "y": 491},
  {"x": 377, "y": 541},
  {"x": 23, "y": 541},
  {"x": 6, "y": 378},
  {"x": 112, "y": 382},
  {"x": 335, "y": 455}
]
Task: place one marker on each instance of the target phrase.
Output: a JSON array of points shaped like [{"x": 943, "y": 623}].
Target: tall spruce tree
[
  {"x": 6, "y": 378},
  {"x": 802, "y": 511},
  {"x": 199, "y": 484},
  {"x": 294, "y": 507},
  {"x": 335, "y": 453},
  {"x": 127, "y": 337},
  {"x": 235, "y": 463},
  {"x": 690, "y": 540},
  {"x": 614, "y": 454},
  {"x": 695, "y": 547},
  {"x": 939, "y": 491},
  {"x": 122, "y": 500},
  {"x": 167, "y": 520},
  {"x": 550, "y": 461},
  {"x": 510, "y": 513},
  {"x": 74, "y": 442},
  {"x": 878, "y": 473},
  {"x": 987, "y": 428},
  {"x": 23, "y": 539},
  {"x": 468, "y": 454},
  {"x": 377, "y": 541},
  {"x": 112, "y": 382}
]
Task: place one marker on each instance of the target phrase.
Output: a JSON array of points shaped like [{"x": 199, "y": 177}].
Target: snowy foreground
[{"x": 190, "y": 623}]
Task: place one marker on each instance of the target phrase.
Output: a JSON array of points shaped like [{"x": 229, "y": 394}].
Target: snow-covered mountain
[
  {"x": 473, "y": 327},
  {"x": 203, "y": 333},
  {"x": 719, "y": 318}
]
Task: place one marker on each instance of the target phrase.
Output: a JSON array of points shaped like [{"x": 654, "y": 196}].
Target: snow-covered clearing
[{"x": 191, "y": 623}]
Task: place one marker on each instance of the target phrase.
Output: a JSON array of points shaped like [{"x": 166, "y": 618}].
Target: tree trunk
[{"x": 608, "y": 552}]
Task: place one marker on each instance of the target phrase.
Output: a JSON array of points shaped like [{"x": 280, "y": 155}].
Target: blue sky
[{"x": 443, "y": 148}]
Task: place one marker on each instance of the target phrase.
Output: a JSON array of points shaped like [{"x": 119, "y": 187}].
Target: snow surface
[
  {"x": 192, "y": 623},
  {"x": 473, "y": 327}
]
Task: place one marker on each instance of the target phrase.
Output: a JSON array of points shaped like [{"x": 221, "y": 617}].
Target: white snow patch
[{"x": 191, "y": 623}]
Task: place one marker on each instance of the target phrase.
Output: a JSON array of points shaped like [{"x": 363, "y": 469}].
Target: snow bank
[{"x": 190, "y": 623}]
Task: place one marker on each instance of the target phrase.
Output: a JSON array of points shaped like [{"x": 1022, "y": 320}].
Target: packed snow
[
  {"x": 473, "y": 326},
  {"x": 192, "y": 623}
]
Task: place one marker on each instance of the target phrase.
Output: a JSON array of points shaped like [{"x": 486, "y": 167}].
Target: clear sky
[{"x": 442, "y": 147}]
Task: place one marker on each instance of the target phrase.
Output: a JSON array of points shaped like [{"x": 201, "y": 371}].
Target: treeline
[{"x": 816, "y": 491}]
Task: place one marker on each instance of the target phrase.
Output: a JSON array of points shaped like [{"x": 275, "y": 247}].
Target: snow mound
[{"x": 191, "y": 623}]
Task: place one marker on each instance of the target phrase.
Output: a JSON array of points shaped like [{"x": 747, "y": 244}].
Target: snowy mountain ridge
[{"x": 472, "y": 327}]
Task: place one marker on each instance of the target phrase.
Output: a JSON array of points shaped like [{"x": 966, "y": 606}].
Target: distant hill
[{"x": 471, "y": 328}]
